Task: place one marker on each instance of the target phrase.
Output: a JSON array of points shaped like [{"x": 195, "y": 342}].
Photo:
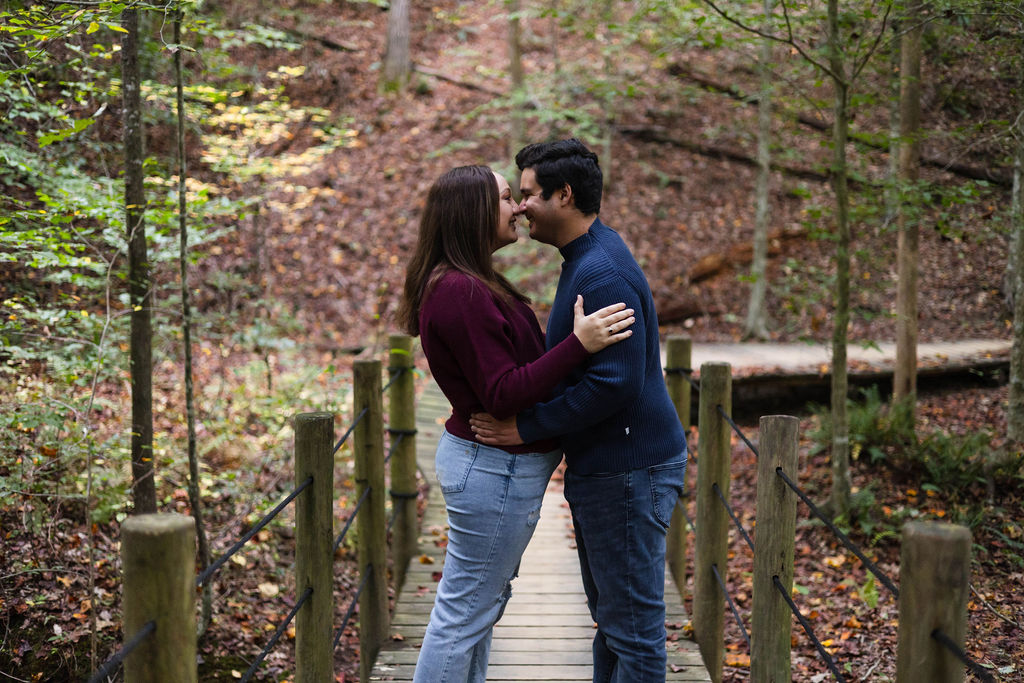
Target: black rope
[
  {"x": 208, "y": 572},
  {"x": 394, "y": 446},
  {"x": 350, "y": 429},
  {"x": 397, "y": 372},
  {"x": 808, "y": 630},
  {"x": 403, "y": 432},
  {"x": 277, "y": 634},
  {"x": 735, "y": 428},
  {"x": 403, "y": 496},
  {"x": 872, "y": 567},
  {"x": 977, "y": 669},
  {"x": 112, "y": 664},
  {"x": 351, "y": 607},
  {"x": 679, "y": 371},
  {"x": 341, "y": 536},
  {"x": 728, "y": 508},
  {"x": 732, "y": 605}
]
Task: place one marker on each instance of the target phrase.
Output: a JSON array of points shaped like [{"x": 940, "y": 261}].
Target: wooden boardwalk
[{"x": 546, "y": 631}]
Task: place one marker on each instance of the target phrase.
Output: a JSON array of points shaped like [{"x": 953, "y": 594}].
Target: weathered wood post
[
  {"x": 935, "y": 568},
  {"x": 158, "y": 555},
  {"x": 371, "y": 525},
  {"x": 678, "y": 353},
  {"x": 712, "y": 537},
  {"x": 314, "y": 547},
  {"x": 774, "y": 538},
  {"x": 402, "y": 424}
]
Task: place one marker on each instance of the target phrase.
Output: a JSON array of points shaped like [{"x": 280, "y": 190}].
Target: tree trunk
[
  {"x": 517, "y": 135},
  {"x": 756, "y": 325},
  {"x": 905, "y": 374},
  {"x": 893, "y": 82},
  {"x": 194, "y": 499},
  {"x": 840, "y": 495},
  {"x": 1015, "y": 409},
  {"x": 397, "y": 64},
  {"x": 139, "y": 290}
]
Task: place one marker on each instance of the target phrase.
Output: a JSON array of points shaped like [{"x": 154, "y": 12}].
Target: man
[{"x": 624, "y": 447}]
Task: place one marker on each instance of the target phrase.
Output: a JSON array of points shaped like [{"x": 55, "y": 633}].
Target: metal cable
[
  {"x": 112, "y": 664},
  {"x": 732, "y": 605},
  {"x": 735, "y": 428},
  {"x": 977, "y": 669},
  {"x": 350, "y": 429},
  {"x": 341, "y": 536},
  {"x": 208, "y": 572},
  {"x": 808, "y": 630},
  {"x": 728, "y": 508},
  {"x": 872, "y": 567},
  {"x": 277, "y": 634},
  {"x": 351, "y": 607}
]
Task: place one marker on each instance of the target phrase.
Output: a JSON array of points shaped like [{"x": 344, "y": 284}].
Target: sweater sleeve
[
  {"x": 465, "y": 316},
  {"x": 614, "y": 377}
]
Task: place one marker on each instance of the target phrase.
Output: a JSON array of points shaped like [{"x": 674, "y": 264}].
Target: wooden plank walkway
[{"x": 546, "y": 631}]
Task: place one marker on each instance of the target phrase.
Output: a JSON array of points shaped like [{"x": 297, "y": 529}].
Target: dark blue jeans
[{"x": 620, "y": 520}]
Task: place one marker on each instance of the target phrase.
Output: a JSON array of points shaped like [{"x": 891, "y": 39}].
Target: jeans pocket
[
  {"x": 454, "y": 462},
  {"x": 667, "y": 481}
]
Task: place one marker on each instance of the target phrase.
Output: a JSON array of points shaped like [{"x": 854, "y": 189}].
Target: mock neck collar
[{"x": 579, "y": 246}]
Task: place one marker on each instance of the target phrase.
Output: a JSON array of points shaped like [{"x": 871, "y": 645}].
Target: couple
[{"x": 591, "y": 388}]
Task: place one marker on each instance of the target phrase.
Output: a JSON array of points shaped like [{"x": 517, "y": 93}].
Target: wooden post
[
  {"x": 371, "y": 525},
  {"x": 712, "y": 537},
  {"x": 678, "y": 354},
  {"x": 774, "y": 538},
  {"x": 404, "y": 486},
  {"x": 314, "y": 543},
  {"x": 935, "y": 567},
  {"x": 158, "y": 555}
]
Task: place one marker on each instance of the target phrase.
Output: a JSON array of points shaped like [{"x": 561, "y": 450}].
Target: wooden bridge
[{"x": 546, "y": 631}]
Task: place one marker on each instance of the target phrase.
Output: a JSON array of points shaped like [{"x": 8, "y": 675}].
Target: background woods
[{"x": 751, "y": 157}]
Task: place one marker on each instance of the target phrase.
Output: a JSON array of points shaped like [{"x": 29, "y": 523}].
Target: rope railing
[
  {"x": 822, "y": 652},
  {"x": 247, "y": 676},
  {"x": 715, "y": 454},
  {"x": 732, "y": 604},
  {"x": 111, "y": 666},
  {"x": 170, "y": 658},
  {"x": 214, "y": 566}
]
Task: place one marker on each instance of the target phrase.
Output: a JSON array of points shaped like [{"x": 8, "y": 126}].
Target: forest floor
[{"x": 328, "y": 249}]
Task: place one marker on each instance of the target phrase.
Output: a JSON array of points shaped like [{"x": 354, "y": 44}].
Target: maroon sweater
[{"x": 487, "y": 354}]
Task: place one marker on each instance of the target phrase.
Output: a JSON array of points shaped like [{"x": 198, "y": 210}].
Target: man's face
[{"x": 543, "y": 214}]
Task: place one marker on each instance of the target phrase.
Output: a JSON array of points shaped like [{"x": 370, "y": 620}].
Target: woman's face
[{"x": 508, "y": 214}]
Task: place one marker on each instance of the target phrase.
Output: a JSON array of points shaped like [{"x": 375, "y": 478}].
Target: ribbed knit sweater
[
  {"x": 614, "y": 413},
  {"x": 487, "y": 354}
]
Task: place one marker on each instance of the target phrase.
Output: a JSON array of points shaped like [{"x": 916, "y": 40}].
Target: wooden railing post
[
  {"x": 712, "y": 535},
  {"x": 158, "y": 555},
  {"x": 404, "y": 486},
  {"x": 935, "y": 568},
  {"x": 774, "y": 539},
  {"x": 371, "y": 525},
  {"x": 678, "y": 353},
  {"x": 314, "y": 543}
]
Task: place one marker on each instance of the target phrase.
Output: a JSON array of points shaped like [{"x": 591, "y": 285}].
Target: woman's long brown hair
[{"x": 456, "y": 232}]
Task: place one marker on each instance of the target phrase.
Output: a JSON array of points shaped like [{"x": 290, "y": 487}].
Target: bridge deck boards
[{"x": 546, "y": 632}]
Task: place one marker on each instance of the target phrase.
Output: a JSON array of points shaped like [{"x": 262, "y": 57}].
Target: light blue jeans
[{"x": 493, "y": 500}]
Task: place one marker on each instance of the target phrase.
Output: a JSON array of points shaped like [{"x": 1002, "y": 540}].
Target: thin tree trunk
[
  {"x": 893, "y": 82},
  {"x": 1015, "y": 408},
  {"x": 756, "y": 325},
  {"x": 515, "y": 59},
  {"x": 905, "y": 374},
  {"x": 195, "y": 501},
  {"x": 840, "y": 495},
  {"x": 397, "y": 63},
  {"x": 139, "y": 289}
]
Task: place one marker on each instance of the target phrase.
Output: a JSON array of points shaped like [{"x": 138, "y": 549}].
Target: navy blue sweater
[{"x": 613, "y": 413}]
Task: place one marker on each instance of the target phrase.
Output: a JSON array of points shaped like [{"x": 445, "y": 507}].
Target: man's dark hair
[{"x": 561, "y": 163}]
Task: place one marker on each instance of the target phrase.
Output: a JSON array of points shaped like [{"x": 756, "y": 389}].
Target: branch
[{"x": 309, "y": 37}]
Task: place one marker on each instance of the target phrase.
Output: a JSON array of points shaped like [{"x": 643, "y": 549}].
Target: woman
[{"x": 486, "y": 352}]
